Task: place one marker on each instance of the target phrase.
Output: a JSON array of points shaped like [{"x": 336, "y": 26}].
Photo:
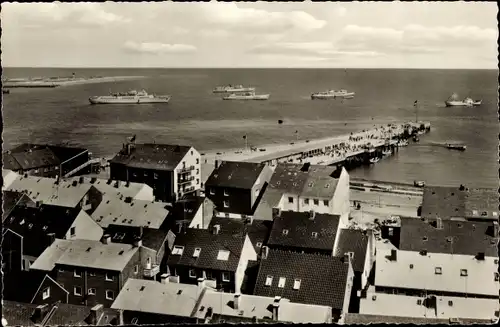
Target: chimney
[
  {"x": 51, "y": 237},
  {"x": 40, "y": 312},
  {"x": 276, "y": 306},
  {"x": 201, "y": 282},
  {"x": 216, "y": 164},
  {"x": 106, "y": 239},
  {"x": 95, "y": 314},
  {"x": 165, "y": 278},
  {"x": 312, "y": 215},
  {"x": 347, "y": 257},
  {"x": 216, "y": 229},
  {"x": 439, "y": 223},
  {"x": 137, "y": 242},
  {"x": 480, "y": 256},
  {"x": 495, "y": 229},
  {"x": 394, "y": 255},
  {"x": 81, "y": 180},
  {"x": 265, "y": 252},
  {"x": 237, "y": 301}
]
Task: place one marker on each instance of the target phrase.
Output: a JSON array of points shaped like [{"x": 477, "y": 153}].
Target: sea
[{"x": 195, "y": 116}]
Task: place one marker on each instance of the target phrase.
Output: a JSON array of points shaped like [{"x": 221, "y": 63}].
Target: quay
[{"x": 348, "y": 150}]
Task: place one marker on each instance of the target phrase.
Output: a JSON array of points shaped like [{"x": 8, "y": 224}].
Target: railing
[
  {"x": 77, "y": 169},
  {"x": 185, "y": 180},
  {"x": 186, "y": 169},
  {"x": 155, "y": 269}
]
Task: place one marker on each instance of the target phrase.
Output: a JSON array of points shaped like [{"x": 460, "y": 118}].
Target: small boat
[
  {"x": 460, "y": 147},
  {"x": 419, "y": 183},
  {"x": 387, "y": 152},
  {"x": 467, "y": 102},
  {"x": 232, "y": 89},
  {"x": 131, "y": 97},
  {"x": 415, "y": 138},
  {"x": 402, "y": 143},
  {"x": 5, "y": 91},
  {"x": 333, "y": 94},
  {"x": 374, "y": 160},
  {"x": 246, "y": 96},
  {"x": 280, "y": 121}
]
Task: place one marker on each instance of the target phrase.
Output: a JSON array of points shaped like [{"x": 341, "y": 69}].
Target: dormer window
[
  {"x": 424, "y": 238},
  {"x": 196, "y": 252},
  {"x": 223, "y": 255},
  {"x": 463, "y": 272},
  {"x": 178, "y": 250},
  {"x": 411, "y": 265},
  {"x": 484, "y": 213},
  {"x": 314, "y": 235},
  {"x": 285, "y": 232},
  {"x": 296, "y": 284},
  {"x": 269, "y": 280},
  {"x": 438, "y": 270},
  {"x": 496, "y": 277},
  {"x": 310, "y": 184},
  {"x": 259, "y": 244},
  {"x": 282, "y": 282},
  {"x": 326, "y": 203}
]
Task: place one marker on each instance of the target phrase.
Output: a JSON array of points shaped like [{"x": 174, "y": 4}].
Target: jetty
[{"x": 351, "y": 149}]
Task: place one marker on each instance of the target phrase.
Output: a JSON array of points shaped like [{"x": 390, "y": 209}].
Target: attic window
[
  {"x": 438, "y": 270},
  {"x": 296, "y": 284},
  {"x": 223, "y": 255},
  {"x": 419, "y": 302},
  {"x": 269, "y": 280},
  {"x": 259, "y": 244},
  {"x": 282, "y": 282},
  {"x": 285, "y": 231},
  {"x": 463, "y": 272},
  {"x": 411, "y": 265},
  {"x": 314, "y": 235},
  {"x": 290, "y": 199},
  {"x": 424, "y": 238},
  {"x": 178, "y": 250},
  {"x": 484, "y": 213},
  {"x": 450, "y": 303},
  {"x": 196, "y": 252}
]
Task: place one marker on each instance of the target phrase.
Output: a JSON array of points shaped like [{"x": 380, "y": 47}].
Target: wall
[
  {"x": 247, "y": 253},
  {"x": 146, "y": 193},
  {"x": 239, "y": 199},
  {"x": 129, "y": 270},
  {"x": 57, "y": 292},
  {"x": 369, "y": 259},
  {"x": 341, "y": 204},
  {"x": 85, "y": 228},
  {"x": 258, "y": 187},
  {"x": 192, "y": 158},
  {"x": 95, "y": 199},
  {"x": 146, "y": 318},
  {"x": 9, "y": 176},
  {"x": 320, "y": 208},
  {"x": 183, "y": 273},
  {"x": 12, "y": 244},
  {"x": 348, "y": 289},
  {"x": 144, "y": 254},
  {"x": 285, "y": 204}
]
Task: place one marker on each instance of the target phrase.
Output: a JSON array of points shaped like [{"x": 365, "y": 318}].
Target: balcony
[
  {"x": 188, "y": 189},
  {"x": 186, "y": 169},
  {"x": 185, "y": 180},
  {"x": 155, "y": 269}
]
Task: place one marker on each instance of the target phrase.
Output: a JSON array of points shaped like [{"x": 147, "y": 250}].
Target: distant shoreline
[{"x": 26, "y": 83}]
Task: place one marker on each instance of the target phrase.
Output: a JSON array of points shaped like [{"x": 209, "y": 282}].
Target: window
[
  {"x": 92, "y": 274},
  {"x": 450, "y": 303},
  {"x": 197, "y": 181},
  {"x": 77, "y": 273},
  {"x": 316, "y": 202},
  {"x": 155, "y": 175},
  {"x": 178, "y": 250},
  {"x": 463, "y": 272},
  {"x": 285, "y": 231},
  {"x": 109, "y": 277},
  {"x": 290, "y": 199},
  {"x": 196, "y": 252},
  {"x": 438, "y": 270},
  {"x": 259, "y": 244},
  {"x": 306, "y": 201},
  {"x": 192, "y": 273},
  {"x": 110, "y": 295},
  {"x": 225, "y": 277},
  {"x": 209, "y": 274},
  {"x": 197, "y": 160},
  {"x": 269, "y": 280},
  {"x": 223, "y": 255},
  {"x": 226, "y": 204},
  {"x": 77, "y": 290},
  {"x": 72, "y": 231},
  {"x": 314, "y": 235},
  {"x": 496, "y": 277},
  {"x": 46, "y": 293},
  {"x": 212, "y": 191},
  {"x": 226, "y": 193},
  {"x": 411, "y": 265},
  {"x": 135, "y": 321},
  {"x": 326, "y": 202},
  {"x": 136, "y": 269},
  {"x": 419, "y": 302},
  {"x": 296, "y": 284},
  {"x": 282, "y": 282},
  {"x": 92, "y": 291},
  {"x": 61, "y": 270}
]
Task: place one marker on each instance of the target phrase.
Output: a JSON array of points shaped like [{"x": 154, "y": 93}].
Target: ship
[
  {"x": 333, "y": 94},
  {"x": 460, "y": 147},
  {"x": 233, "y": 89},
  {"x": 467, "y": 102},
  {"x": 131, "y": 97},
  {"x": 5, "y": 91},
  {"x": 246, "y": 96}
]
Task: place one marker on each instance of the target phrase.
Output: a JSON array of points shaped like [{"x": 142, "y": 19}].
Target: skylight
[
  {"x": 285, "y": 231},
  {"x": 282, "y": 282},
  {"x": 296, "y": 284},
  {"x": 178, "y": 250},
  {"x": 196, "y": 252},
  {"x": 269, "y": 280},
  {"x": 223, "y": 255}
]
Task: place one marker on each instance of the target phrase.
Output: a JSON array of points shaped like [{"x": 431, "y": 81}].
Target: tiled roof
[
  {"x": 66, "y": 193},
  {"x": 85, "y": 253},
  {"x": 435, "y": 271},
  {"x": 323, "y": 279},
  {"x": 295, "y": 229},
  {"x": 258, "y": 230},
  {"x": 210, "y": 245},
  {"x": 289, "y": 178},
  {"x": 234, "y": 174},
  {"x": 152, "y": 156},
  {"x": 139, "y": 191},
  {"x": 364, "y": 319},
  {"x": 154, "y": 297},
  {"x": 35, "y": 158},
  {"x": 12, "y": 198},
  {"x": 468, "y": 237},
  {"x": 35, "y": 223},
  {"x": 482, "y": 203},
  {"x": 151, "y": 238},
  {"x": 18, "y": 314},
  {"x": 119, "y": 210},
  {"x": 9, "y": 162},
  {"x": 355, "y": 241}
]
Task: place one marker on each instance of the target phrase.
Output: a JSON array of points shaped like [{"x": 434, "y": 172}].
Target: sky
[{"x": 262, "y": 34}]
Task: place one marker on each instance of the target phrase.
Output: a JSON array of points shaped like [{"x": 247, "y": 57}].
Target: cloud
[
  {"x": 309, "y": 49},
  {"x": 340, "y": 11},
  {"x": 159, "y": 48}
]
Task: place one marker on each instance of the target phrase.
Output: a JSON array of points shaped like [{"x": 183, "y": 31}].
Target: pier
[{"x": 347, "y": 150}]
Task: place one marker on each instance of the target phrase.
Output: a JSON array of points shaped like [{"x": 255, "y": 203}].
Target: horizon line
[{"x": 339, "y": 68}]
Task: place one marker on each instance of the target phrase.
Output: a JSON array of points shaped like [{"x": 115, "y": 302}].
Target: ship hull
[
  {"x": 462, "y": 103},
  {"x": 252, "y": 97},
  {"x": 136, "y": 100},
  {"x": 317, "y": 96},
  {"x": 248, "y": 89}
]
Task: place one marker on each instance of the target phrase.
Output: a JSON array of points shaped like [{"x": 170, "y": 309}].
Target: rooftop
[
  {"x": 468, "y": 237},
  {"x": 85, "y": 253},
  {"x": 303, "y": 278},
  {"x": 234, "y": 174},
  {"x": 28, "y": 157},
  {"x": 120, "y": 210},
  {"x": 139, "y": 191},
  {"x": 210, "y": 247},
  {"x": 152, "y": 156},
  {"x": 154, "y": 297},
  {"x": 12, "y": 198},
  {"x": 299, "y": 230},
  {"x": 30, "y": 281},
  {"x": 355, "y": 241},
  {"x": 365, "y": 319},
  {"x": 151, "y": 238},
  {"x": 269, "y": 200},
  {"x": 435, "y": 271}
]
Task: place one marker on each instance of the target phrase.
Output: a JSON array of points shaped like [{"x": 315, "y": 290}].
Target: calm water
[{"x": 196, "y": 116}]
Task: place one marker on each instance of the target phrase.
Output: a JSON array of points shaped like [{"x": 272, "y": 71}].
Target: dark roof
[
  {"x": 35, "y": 157},
  {"x": 358, "y": 319},
  {"x": 65, "y": 152},
  {"x": 300, "y": 228},
  {"x": 152, "y": 156},
  {"x": 456, "y": 237},
  {"x": 451, "y": 202},
  {"x": 257, "y": 231},
  {"x": 12, "y": 198},
  {"x": 356, "y": 241},
  {"x": 210, "y": 244},
  {"x": 185, "y": 209},
  {"x": 234, "y": 174},
  {"x": 323, "y": 279},
  {"x": 151, "y": 238},
  {"x": 22, "y": 285},
  {"x": 35, "y": 223},
  {"x": 20, "y": 314},
  {"x": 289, "y": 178},
  {"x": 9, "y": 162}
]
